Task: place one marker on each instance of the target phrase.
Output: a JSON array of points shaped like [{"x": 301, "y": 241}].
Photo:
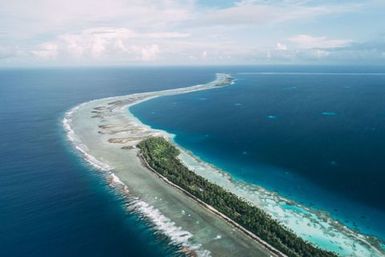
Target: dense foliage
[{"x": 162, "y": 157}]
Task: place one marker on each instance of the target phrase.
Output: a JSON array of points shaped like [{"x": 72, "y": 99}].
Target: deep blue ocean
[
  {"x": 313, "y": 134},
  {"x": 316, "y": 138},
  {"x": 52, "y": 203}
]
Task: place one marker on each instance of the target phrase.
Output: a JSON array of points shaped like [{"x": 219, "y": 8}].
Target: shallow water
[
  {"x": 92, "y": 128},
  {"x": 51, "y": 202},
  {"x": 315, "y": 135}
]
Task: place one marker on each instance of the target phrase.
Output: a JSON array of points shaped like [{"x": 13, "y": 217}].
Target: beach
[{"x": 105, "y": 133}]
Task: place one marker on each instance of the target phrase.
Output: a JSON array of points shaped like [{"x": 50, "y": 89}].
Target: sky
[{"x": 191, "y": 32}]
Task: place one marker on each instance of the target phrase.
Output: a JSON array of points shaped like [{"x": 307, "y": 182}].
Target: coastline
[
  {"x": 97, "y": 127},
  {"x": 313, "y": 225},
  {"x": 195, "y": 230},
  {"x": 273, "y": 251}
]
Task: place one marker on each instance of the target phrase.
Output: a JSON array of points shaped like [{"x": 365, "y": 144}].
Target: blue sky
[{"x": 168, "y": 32}]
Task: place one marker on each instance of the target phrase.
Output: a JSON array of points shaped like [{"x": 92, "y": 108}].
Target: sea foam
[
  {"x": 314, "y": 226},
  {"x": 177, "y": 235}
]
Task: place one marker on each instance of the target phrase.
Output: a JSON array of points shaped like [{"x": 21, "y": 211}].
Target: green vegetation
[{"x": 162, "y": 157}]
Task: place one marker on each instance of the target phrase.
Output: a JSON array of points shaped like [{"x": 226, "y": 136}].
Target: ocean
[
  {"x": 52, "y": 203},
  {"x": 312, "y": 134}
]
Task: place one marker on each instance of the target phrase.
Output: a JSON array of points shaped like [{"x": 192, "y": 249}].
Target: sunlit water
[{"x": 314, "y": 135}]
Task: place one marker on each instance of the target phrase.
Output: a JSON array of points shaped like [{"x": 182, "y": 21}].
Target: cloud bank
[{"x": 52, "y": 32}]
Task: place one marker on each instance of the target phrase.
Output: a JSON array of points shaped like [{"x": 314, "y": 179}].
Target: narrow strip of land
[
  {"x": 106, "y": 133},
  {"x": 160, "y": 156}
]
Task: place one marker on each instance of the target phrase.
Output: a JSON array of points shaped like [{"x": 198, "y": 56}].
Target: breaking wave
[{"x": 177, "y": 235}]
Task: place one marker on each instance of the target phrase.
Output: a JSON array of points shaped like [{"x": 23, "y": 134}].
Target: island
[
  {"x": 202, "y": 211},
  {"x": 161, "y": 157}
]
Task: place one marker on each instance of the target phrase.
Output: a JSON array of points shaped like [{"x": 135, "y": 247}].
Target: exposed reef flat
[
  {"x": 197, "y": 231},
  {"x": 106, "y": 133}
]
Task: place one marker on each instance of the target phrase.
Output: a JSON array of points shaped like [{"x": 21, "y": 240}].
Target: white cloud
[
  {"x": 7, "y": 52},
  {"x": 308, "y": 42},
  {"x": 257, "y": 13},
  {"x": 106, "y": 43},
  {"x": 281, "y": 46},
  {"x": 150, "y": 53},
  {"x": 319, "y": 53},
  {"x": 29, "y": 18},
  {"x": 170, "y": 31},
  {"x": 166, "y": 35},
  {"x": 46, "y": 51}
]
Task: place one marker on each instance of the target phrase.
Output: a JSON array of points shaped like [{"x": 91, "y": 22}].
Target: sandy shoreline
[
  {"x": 91, "y": 126},
  {"x": 105, "y": 132},
  {"x": 273, "y": 251}
]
